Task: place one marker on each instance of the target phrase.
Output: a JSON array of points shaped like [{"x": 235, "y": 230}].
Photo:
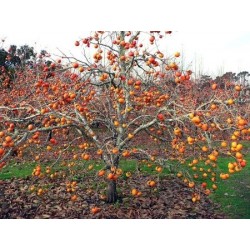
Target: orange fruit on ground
[
  {"x": 179, "y": 174},
  {"x": 139, "y": 193},
  {"x": 195, "y": 161},
  {"x": 95, "y": 210},
  {"x": 128, "y": 174},
  {"x": 204, "y": 175},
  {"x": 134, "y": 192},
  {"x": 204, "y": 184},
  {"x": 152, "y": 183},
  {"x": 118, "y": 171},
  {"x": 74, "y": 197},
  {"x": 207, "y": 191},
  {"x": 191, "y": 184},
  {"x": 159, "y": 169},
  {"x": 90, "y": 167},
  {"x": 194, "y": 199}
]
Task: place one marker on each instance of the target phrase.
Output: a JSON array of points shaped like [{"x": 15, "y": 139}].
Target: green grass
[
  {"x": 21, "y": 170},
  {"x": 233, "y": 194}
]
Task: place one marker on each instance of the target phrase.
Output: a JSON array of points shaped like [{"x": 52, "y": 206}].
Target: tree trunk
[{"x": 111, "y": 192}]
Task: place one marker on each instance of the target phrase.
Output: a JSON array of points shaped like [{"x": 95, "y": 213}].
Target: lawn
[{"x": 233, "y": 195}]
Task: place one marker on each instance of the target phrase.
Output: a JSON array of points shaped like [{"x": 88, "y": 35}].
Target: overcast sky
[{"x": 212, "y": 42}]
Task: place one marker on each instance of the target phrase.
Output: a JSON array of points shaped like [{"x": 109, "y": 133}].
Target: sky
[
  {"x": 213, "y": 45},
  {"x": 206, "y": 52},
  {"x": 216, "y": 52}
]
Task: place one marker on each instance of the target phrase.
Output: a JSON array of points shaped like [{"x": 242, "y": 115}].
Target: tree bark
[
  {"x": 111, "y": 192},
  {"x": 49, "y": 136}
]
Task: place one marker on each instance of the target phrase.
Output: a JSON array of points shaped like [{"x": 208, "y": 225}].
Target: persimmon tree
[{"x": 125, "y": 98}]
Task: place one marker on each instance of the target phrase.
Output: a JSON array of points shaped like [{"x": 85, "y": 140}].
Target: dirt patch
[{"x": 170, "y": 199}]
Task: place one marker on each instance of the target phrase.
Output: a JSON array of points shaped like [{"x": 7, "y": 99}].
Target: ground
[{"x": 169, "y": 199}]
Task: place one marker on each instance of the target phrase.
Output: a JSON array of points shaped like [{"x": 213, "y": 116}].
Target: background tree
[
  {"x": 243, "y": 77},
  {"x": 204, "y": 81},
  {"x": 226, "y": 79},
  {"x": 15, "y": 59}
]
